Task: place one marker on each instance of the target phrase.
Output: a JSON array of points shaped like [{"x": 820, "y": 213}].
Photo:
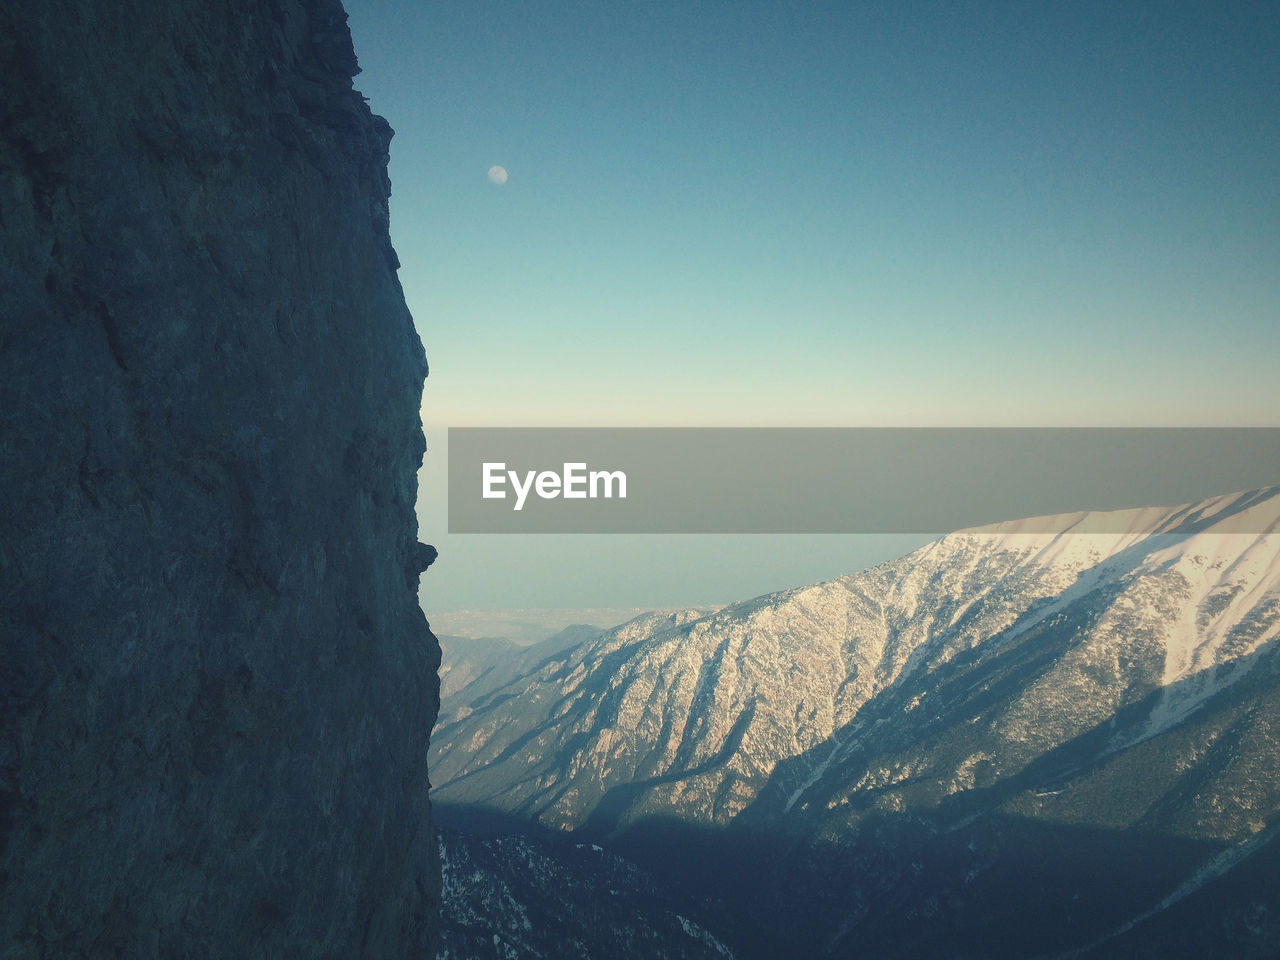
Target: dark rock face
[{"x": 216, "y": 686}]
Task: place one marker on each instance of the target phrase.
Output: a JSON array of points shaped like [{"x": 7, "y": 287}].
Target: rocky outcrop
[{"x": 216, "y": 685}]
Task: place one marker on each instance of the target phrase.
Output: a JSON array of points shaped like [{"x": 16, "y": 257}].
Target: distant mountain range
[
  {"x": 479, "y": 665},
  {"x": 1003, "y": 744}
]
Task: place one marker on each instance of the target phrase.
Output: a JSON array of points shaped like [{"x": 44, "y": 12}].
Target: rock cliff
[{"x": 216, "y": 686}]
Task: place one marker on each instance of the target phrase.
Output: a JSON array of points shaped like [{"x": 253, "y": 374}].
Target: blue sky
[{"x": 825, "y": 214}]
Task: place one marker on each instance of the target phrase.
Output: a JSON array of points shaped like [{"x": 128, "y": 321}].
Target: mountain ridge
[
  {"x": 1106, "y": 695},
  {"x": 854, "y": 636}
]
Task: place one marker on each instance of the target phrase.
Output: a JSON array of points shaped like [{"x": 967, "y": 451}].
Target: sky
[{"x": 819, "y": 214}]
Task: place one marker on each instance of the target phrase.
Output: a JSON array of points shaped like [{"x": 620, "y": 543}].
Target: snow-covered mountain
[
  {"x": 695, "y": 713},
  {"x": 1115, "y": 679},
  {"x": 482, "y": 664}
]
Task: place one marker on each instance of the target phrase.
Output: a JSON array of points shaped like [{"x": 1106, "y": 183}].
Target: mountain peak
[{"x": 691, "y": 713}]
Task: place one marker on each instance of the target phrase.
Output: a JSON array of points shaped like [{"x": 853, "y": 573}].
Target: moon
[{"x": 498, "y": 175}]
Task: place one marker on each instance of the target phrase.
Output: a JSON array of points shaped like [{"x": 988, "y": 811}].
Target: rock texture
[{"x": 216, "y": 685}]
